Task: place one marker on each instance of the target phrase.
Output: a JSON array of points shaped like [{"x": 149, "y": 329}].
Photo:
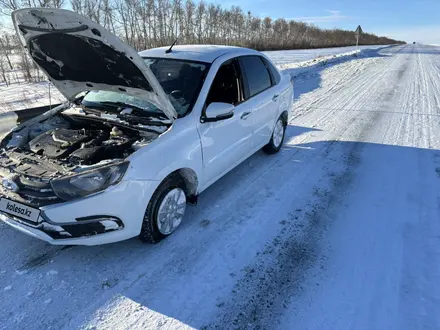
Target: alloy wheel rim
[
  {"x": 171, "y": 211},
  {"x": 278, "y": 133}
]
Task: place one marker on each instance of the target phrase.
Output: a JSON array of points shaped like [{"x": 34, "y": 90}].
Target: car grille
[{"x": 32, "y": 191}]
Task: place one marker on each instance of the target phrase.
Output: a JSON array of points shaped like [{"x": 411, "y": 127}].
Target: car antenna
[{"x": 171, "y": 47}]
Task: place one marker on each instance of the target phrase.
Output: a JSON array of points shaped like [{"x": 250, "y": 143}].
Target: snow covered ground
[
  {"x": 19, "y": 94},
  {"x": 340, "y": 230},
  {"x": 24, "y": 95}
]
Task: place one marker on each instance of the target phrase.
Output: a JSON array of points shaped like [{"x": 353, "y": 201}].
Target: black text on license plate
[{"x": 19, "y": 210}]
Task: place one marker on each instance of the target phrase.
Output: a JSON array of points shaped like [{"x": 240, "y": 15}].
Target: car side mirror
[{"x": 218, "y": 111}]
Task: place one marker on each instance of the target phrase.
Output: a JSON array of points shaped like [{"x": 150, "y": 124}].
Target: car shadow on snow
[{"x": 220, "y": 241}]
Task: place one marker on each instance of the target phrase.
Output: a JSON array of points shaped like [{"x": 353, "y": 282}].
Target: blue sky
[{"x": 417, "y": 20}]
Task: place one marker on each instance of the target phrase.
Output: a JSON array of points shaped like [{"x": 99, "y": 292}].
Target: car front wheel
[
  {"x": 277, "y": 139},
  {"x": 165, "y": 211}
]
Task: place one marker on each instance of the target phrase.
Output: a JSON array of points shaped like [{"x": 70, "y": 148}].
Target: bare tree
[
  {"x": 6, "y": 48},
  {"x": 25, "y": 65},
  {"x": 3, "y": 71},
  {"x": 7, "y": 6}
]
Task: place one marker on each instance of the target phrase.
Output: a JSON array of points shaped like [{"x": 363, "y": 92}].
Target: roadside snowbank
[
  {"x": 304, "y": 55},
  {"x": 307, "y": 65},
  {"x": 297, "y": 68}
]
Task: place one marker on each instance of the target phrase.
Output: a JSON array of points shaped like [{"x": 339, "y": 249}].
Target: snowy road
[{"x": 340, "y": 230}]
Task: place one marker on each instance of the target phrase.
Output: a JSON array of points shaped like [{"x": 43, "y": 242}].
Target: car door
[
  {"x": 225, "y": 142},
  {"x": 262, "y": 96}
]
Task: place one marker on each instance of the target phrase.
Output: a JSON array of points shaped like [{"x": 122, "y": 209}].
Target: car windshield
[{"x": 181, "y": 81}]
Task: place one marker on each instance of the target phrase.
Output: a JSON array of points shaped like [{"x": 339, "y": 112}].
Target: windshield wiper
[
  {"x": 112, "y": 104},
  {"x": 119, "y": 105}
]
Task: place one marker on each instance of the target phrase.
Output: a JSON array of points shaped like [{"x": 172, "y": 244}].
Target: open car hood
[{"x": 79, "y": 55}]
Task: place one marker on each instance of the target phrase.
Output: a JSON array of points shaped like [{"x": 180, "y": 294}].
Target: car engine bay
[
  {"x": 73, "y": 142},
  {"x": 82, "y": 146},
  {"x": 67, "y": 144}
]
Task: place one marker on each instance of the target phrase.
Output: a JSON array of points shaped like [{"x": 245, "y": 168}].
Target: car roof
[{"x": 201, "y": 53}]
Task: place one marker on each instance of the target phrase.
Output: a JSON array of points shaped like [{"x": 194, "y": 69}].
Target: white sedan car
[{"x": 142, "y": 134}]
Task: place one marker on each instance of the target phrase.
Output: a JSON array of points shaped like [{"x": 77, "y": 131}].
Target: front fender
[{"x": 177, "y": 148}]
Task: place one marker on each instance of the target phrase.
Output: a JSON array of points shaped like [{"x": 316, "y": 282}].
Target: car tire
[
  {"x": 277, "y": 138},
  {"x": 153, "y": 229}
]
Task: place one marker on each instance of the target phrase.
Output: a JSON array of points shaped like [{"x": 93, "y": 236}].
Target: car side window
[
  {"x": 226, "y": 86},
  {"x": 256, "y": 73},
  {"x": 275, "y": 75}
]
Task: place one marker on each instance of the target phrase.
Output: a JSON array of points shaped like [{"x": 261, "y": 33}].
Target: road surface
[{"x": 340, "y": 230}]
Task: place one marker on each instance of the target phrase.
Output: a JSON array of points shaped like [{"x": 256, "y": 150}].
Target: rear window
[{"x": 258, "y": 77}]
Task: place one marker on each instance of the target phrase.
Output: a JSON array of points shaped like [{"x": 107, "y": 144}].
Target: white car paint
[{"x": 202, "y": 151}]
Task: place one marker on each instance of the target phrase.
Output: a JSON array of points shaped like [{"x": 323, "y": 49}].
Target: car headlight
[{"x": 89, "y": 182}]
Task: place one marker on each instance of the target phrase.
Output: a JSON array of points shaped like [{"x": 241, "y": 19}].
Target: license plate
[{"x": 19, "y": 210}]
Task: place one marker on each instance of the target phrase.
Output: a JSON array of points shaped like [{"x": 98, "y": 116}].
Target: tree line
[{"x": 145, "y": 24}]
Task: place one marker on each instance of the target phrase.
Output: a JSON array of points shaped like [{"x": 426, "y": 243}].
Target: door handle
[
  {"x": 245, "y": 115},
  {"x": 274, "y": 98}
]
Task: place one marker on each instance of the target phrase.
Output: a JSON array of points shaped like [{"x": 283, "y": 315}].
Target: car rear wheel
[
  {"x": 277, "y": 139},
  {"x": 165, "y": 211}
]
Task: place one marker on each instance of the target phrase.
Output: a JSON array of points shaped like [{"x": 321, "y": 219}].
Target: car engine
[{"x": 82, "y": 146}]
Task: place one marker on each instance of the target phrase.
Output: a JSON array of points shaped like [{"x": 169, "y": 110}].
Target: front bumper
[{"x": 113, "y": 215}]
